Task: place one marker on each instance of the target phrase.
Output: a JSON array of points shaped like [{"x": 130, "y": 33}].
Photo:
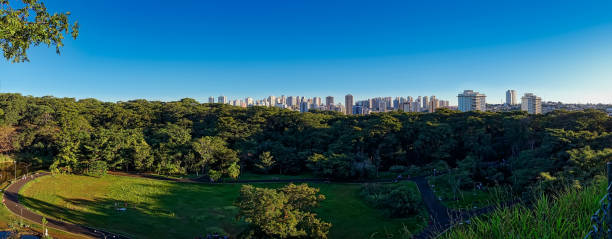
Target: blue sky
[{"x": 164, "y": 50}]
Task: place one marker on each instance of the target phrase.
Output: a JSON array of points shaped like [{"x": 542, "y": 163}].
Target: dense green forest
[{"x": 513, "y": 148}]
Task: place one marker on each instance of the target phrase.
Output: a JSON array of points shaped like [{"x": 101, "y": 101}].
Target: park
[{"x": 115, "y": 139}]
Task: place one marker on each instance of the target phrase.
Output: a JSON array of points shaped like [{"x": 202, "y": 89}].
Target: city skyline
[
  {"x": 323, "y": 48},
  {"x": 470, "y": 100}
]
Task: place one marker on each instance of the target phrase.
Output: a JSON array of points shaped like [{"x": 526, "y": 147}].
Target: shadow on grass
[
  {"x": 173, "y": 210},
  {"x": 59, "y": 224}
]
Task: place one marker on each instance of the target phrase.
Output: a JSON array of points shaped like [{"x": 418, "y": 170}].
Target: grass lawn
[
  {"x": 467, "y": 199},
  {"x": 163, "y": 209}
]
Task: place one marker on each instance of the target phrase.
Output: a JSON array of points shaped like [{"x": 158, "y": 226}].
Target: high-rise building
[
  {"x": 425, "y": 102},
  {"x": 409, "y": 106},
  {"x": 472, "y": 101},
  {"x": 291, "y": 101},
  {"x": 272, "y": 100},
  {"x": 339, "y": 108},
  {"x": 316, "y": 101},
  {"x": 348, "y": 102},
  {"x": 511, "y": 97},
  {"x": 433, "y": 104},
  {"x": 531, "y": 103},
  {"x": 329, "y": 102},
  {"x": 249, "y": 101},
  {"x": 304, "y": 106},
  {"x": 358, "y": 110},
  {"x": 211, "y": 100},
  {"x": 222, "y": 100}
]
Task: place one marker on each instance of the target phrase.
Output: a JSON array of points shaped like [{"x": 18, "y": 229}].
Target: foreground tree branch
[{"x": 31, "y": 25}]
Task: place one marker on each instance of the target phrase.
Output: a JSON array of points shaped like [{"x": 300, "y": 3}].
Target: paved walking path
[
  {"x": 442, "y": 217},
  {"x": 11, "y": 200}
]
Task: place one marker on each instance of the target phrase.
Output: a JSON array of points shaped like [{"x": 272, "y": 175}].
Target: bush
[
  {"x": 363, "y": 169},
  {"x": 96, "y": 169},
  {"x": 414, "y": 170},
  {"x": 397, "y": 169},
  {"x": 399, "y": 200},
  {"x": 334, "y": 166}
]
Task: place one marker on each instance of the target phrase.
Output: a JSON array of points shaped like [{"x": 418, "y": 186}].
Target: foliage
[
  {"x": 397, "y": 169},
  {"x": 212, "y": 154},
  {"x": 284, "y": 212},
  {"x": 566, "y": 214},
  {"x": 7, "y": 139},
  {"x": 400, "y": 200},
  {"x": 96, "y": 169},
  {"x": 217, "y": 140},
  {"x": 266, "y": 161},
  {"x": 30, "y": 25}
]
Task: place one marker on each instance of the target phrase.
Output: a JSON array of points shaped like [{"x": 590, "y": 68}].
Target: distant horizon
[
  {"x": 558, "y": 50},
  {"x": 336, "y": 99}
]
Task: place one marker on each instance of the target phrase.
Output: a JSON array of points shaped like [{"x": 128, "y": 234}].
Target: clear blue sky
[{"x": 167, "y": 50}]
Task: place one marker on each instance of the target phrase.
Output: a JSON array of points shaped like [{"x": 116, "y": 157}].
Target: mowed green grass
[{"x": 162, "y": 209}]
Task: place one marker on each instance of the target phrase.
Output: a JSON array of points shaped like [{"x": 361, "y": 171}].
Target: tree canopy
[
  {"x": 221, "y": 141},
  {"x": 282, "y": 213}
]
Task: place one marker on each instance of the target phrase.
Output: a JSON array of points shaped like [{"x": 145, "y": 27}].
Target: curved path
[
  {"x": 442, "y": 217},
  {"x": 11, "y": 200}
]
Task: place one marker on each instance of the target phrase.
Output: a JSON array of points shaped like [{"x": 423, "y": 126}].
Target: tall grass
[{"x": 566, "y": 215}]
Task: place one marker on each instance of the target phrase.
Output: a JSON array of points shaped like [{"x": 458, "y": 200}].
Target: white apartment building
[
  {"x": 531, "y": 103},
  {"x": 222, "y": 100},
  {"x": 470, "y": 100},
  {"x": 511, "y": 97}
]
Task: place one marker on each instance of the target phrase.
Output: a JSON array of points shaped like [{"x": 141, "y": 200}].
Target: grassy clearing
[
  {"x": 352, "y": 217},
  {"x": 564, "y": 216},
  {"x": 163, "y": 209},
  {"x": 467, "y": 199}
]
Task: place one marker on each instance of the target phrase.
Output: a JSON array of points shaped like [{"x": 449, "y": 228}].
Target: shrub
[
  {"x": 334, "y": 166},
  {"x": 414, "y": 170},
  {"x": 399, "y": 200},
  {"x": 397, "y": 169},
  {"x": 96, "y": 168}
]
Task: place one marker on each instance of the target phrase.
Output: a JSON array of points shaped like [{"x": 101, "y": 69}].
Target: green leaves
[
  {"x": 265, "y": 161},
  {"x": 284, "y": 212},
  {"x": 31, "y": 25},
  {"x": 213, "y": 154}
]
